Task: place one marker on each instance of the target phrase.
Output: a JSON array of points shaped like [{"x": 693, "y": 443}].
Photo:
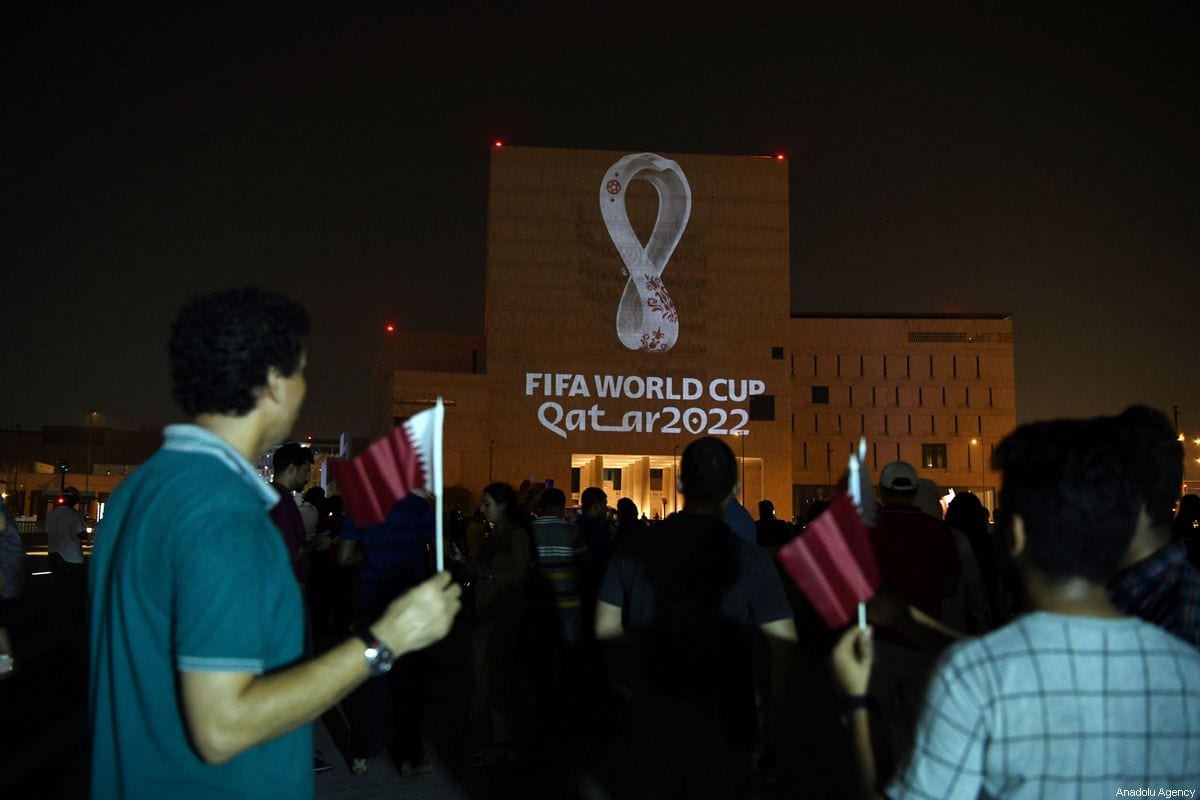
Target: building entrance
[{"x": 649, "y": 480}]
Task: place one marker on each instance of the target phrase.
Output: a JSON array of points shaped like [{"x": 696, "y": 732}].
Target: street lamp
[
  {"x": 982, "y": 466},
  {"x": 743, "y": 434}
]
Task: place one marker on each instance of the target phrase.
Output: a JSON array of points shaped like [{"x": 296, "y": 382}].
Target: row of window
[
  {"x": 960, "y": 426},
  {"x": 891, "y": 366},
  {"x": 933, "y": 455},
  {"x": 820, "y": 395}
]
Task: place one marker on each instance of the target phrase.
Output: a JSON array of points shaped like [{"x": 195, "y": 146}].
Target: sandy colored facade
[
  {"x": 636, "y": 301},
  {"x": 936, "y": 391}
]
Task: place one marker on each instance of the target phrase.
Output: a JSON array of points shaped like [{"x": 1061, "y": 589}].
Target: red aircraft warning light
[
  {"x": 390, "y": 328},
  {"x": 779, "y": 156},
  {"x": 498, "y": 143}
]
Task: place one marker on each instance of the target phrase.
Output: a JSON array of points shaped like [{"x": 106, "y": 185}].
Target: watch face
[{"x": 379, "y": 659}]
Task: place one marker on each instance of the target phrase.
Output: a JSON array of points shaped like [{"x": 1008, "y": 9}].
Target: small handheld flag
[
  {"x": 832, "y": 561},
  {"x": 408, "y": 458}
]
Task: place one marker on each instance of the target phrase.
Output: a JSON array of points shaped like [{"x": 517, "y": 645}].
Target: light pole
[
  {"x": 87, "y": 477},
  {"x": 675, "y": 476},
  {"x": 982, "y": 466},
  {"x": 743, "y": 434}
]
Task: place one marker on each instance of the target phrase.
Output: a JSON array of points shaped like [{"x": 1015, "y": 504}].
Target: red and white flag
[
  {"x": 832, "y": 561},
  {"x": 408, "y": 458}
]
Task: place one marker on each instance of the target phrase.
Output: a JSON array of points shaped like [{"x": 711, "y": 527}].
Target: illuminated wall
[{"x": 591, "y": 254}]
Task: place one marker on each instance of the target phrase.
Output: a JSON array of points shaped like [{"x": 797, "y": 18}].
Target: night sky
[{"x": 1043, "y": 161}]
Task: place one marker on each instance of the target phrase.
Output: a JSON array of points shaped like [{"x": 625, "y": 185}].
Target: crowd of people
[{"x": 1050, "y": 648}]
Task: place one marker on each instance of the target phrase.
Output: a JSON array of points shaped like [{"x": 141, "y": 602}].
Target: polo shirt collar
[{"x": 195, "y": 439}]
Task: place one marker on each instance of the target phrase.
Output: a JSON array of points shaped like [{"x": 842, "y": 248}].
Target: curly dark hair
[
  {"x": 1078, "y": 502},
  {"x": 708, "y": 471},
  {"x": 223, "y": 344},
  {"x": 1155, "y": 456}
]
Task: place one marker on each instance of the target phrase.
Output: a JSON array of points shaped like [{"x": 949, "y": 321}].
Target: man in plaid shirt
[{"x": 1071, "y": 699}]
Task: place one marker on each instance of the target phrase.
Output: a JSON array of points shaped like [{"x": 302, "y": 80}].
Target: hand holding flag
[{"x": 408, "y": 458}]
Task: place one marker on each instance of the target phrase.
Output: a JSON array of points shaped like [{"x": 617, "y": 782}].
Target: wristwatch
[{"x": 377, "y": 654}]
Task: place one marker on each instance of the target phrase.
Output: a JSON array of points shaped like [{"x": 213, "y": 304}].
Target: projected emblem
[{"x": 646, "y": 317}]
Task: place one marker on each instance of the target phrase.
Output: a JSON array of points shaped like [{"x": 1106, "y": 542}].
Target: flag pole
[
  {"x": 854, "y": 484},
  {"x": 439, "y": 418}
]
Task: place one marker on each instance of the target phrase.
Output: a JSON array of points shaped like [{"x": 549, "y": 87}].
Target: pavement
[
  {"x": 382, "y": 778},
  {"x": 45, "y": 751}
]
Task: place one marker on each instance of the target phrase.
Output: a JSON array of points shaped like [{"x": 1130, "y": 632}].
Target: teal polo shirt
[{"x": 189, "y": 573}]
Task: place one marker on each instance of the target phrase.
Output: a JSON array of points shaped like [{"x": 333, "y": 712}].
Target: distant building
[
  {"x": 35, "y": 465},
  {"x": 636, "y": 301}
]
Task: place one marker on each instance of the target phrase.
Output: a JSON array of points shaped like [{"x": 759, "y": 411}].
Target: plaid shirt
[
  {"x": 1059, "y": 706},
  {"x": 1164, "y": 589}
]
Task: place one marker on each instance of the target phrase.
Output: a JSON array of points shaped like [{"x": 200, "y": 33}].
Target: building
[
  {"x": 36, "y": 465},
  {"x": 935, "y": 390},
  {"x": 636, "y": 301}
]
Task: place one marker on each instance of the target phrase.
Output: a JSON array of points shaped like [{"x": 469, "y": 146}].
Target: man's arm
[
  {"x": 608, "y": 621},
  {"x": 229, "y": 712}
]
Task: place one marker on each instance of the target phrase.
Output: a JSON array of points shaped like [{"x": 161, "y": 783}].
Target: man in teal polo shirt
[{"x": 197, "y": 686}]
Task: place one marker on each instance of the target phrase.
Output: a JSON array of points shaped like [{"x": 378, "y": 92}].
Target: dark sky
[{"x": 1041, "y": 160}]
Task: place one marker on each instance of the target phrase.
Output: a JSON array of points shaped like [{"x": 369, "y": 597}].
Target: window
[
  {"x": 933, "y": 456},
  {"x": 762, "y": 407},
  {"x": 777, "y": 353},
  {"x": 656, "y": 480},
  {"x": 613, "y": 475},
  {"x": 820, "y": 395}
]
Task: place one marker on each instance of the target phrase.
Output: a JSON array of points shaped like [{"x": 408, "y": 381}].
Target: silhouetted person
[
  {"x": 1156, "y": 581},
  {"x": 968, "y": 515},
  {"x": 919, "y": 564},
  {"x": 65, "y": 535},
  {"x": 628, "y": 522},
  {"x": 689, "y": 598},
  {"x": 773, "y": 532},
  {"x": 555, "y": 619},
  {"x": 391, "y": 555},
  {"x": 500, "y": 571}
]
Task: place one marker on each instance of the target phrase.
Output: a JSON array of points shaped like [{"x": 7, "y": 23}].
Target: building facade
[
  {"x": 935, "y": 390},
  {"x": 636, "y": 301}
]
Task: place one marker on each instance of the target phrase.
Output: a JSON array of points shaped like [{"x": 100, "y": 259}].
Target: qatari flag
[
  {"x": 832, "y": 562},
  {"x": 390, "y": 469}
]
